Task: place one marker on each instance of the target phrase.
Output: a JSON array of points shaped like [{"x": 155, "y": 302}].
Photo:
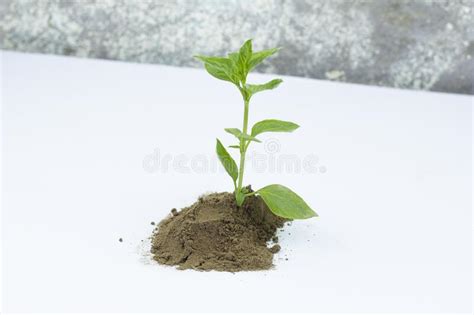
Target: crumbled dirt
[
  {"x": 215, "y": 234},
  {"x": 275, "y": 249}
]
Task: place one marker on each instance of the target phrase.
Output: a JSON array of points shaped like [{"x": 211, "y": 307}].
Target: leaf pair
[
  {"x": 240, "y": 135},
  {"x": 268, "y": 125},
  {"x": 237, "y": 65}
]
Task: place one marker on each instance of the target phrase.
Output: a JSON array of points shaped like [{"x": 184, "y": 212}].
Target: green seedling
[{"x": 234, "y": 68}]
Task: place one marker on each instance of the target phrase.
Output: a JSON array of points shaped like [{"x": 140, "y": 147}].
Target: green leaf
[
  {"x": 259, "y": 56},
  {"x": 234, "y": 58},
  {"x": 240, "y": 135},
  {"x": 227, "y": 161},
  {"x": 234, "y": 146},
  {"x": 217, "y": 72},
  {"x": 245, "y": 53},
  {"x": 240, "y": 61},
  {"x": 219, "y": 67},
  {"x": 285, "y": 203},
  {"x": 273, "y": 125},
  {"x": 255, "y": 88},
  {"x": 221, "y": 62}
]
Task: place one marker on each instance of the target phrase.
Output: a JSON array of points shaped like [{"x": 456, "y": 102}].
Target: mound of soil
[{"x": 215, "y": 234}]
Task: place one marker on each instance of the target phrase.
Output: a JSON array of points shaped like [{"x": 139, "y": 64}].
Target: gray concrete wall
[{"x": 416, "y": 44}]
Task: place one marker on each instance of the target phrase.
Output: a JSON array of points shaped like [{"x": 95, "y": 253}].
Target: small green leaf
[
  {"x": 234, "y": 146},
  {"x": 240, "y": 135},
  {"x": 273, "y": 125},
  {"x": 227, "y": 161},
  {"x": 236, "y": 69},
  {"x": 245, "y": 53},
  {"x": 221, "y": 62},
  {"x": 219, "y": 67},
  {"x": 240, "y": 61},
  {"x": 259, "y": 56},
  {"x": 255, "y": 88},
  {"x": 285, "y": 203},
  {"x": 217, "y": 72}
]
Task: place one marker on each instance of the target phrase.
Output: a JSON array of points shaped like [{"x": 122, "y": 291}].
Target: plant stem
[{"x": 243, "y": 147}]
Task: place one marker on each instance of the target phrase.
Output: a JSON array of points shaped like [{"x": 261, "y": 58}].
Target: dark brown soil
[{"x": 215, "y": 234}]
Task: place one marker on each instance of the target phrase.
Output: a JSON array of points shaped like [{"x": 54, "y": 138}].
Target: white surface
[{"x": 395, "y": 225}]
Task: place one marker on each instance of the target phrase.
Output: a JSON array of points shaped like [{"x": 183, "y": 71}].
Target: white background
[{"x": 393, "y": 190}]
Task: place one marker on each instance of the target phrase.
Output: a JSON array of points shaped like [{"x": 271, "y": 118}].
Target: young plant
[{"x": 234, "y": 68}]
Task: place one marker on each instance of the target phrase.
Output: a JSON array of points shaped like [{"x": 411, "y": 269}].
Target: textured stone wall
[{"x": 415, "y": 44}]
